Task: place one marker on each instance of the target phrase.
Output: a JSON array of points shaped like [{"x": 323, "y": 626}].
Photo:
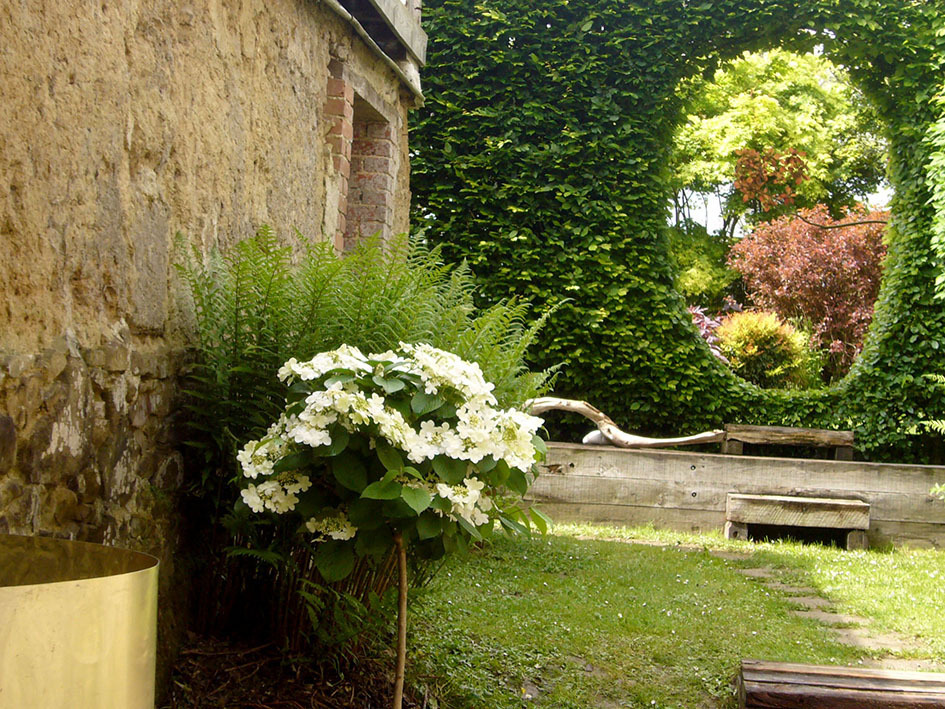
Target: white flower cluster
[
  {"x": 257, "y": 457},
  {"x": 278, "y": 494},
  {"x": 344, "y": 357},
  {"x": 479, "y": 429},
  {"x": 331, "y": 525},
  {"x": 468, "y": 501},
  {"x": 438, "y": 368}
]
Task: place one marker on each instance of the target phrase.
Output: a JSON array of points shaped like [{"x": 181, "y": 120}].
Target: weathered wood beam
[
  {"x": 786, "y": 435},
  {"x": 770, "y": 685}
]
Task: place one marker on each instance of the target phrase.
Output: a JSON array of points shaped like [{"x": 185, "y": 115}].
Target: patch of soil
[{"x": 216, "y": 674}]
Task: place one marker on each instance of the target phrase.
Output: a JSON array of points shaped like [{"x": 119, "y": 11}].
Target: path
[{"x": 847, "y": 629}]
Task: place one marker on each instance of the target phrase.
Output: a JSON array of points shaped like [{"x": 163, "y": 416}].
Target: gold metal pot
[{"x": 78, "y": 625}]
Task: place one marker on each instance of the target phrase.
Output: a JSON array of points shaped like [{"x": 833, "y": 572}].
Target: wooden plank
[
  {"x": 788, "y": 436},
  {"x": 796, "y": 511},
  {"x": 785, "y": 685},
  {"x": 405, "y": 27},
  {"x": 772, "y": 696},
  {"x": 766, "y": 666},
  {"x": 630, "y": 516},
  {"x": 685, "y": 488},
  {"x": 902, "y": 510}
]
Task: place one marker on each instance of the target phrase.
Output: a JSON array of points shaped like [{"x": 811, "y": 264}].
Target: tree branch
[
  {"x": 840, "y": 226},
  {"x": 608, "y": 429}
]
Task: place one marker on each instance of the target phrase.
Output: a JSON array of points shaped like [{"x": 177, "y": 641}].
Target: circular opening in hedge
[{"x": 774, "y": 163}]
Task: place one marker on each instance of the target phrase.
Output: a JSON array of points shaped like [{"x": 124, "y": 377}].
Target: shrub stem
[{"x": 401, "y": 622}]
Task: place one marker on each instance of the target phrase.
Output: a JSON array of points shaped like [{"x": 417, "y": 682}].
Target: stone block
[
  {"x": 7, "y": 444},
  {"x": 63, "y": 503}
]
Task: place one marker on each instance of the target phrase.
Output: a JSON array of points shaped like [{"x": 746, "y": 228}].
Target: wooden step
[
  {"x": 780, "y": 685},
  {"x": 797, "y": 511}
]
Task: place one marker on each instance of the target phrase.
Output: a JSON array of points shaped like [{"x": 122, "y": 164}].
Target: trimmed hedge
[{"x": 540, "y": 158}]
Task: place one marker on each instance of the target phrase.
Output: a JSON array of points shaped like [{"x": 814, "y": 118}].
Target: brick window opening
[
  {"x": 371, "y": 181},
  {"x": 363, "y": 156}
]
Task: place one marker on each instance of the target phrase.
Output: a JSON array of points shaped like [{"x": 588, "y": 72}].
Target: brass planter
[{"x": 78, "y": 625}]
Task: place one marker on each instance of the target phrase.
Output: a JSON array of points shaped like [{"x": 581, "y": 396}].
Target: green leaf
[
  {"x": 418, "y": 499},
  {"x": 542, "y": 521},
  {"x": 339, "y": 440},
  {"x": 540, "y": 446},
  {"x": 334, "y": 559},
  {"x": 514, "y": 526},
  {"x": 373, "y": 542},
  {"x": 429, "y": 526},
  {"x": 365, "y": 514},
  {"x": 293, "y": 461},
  {"x": 349, "y": 471},
  {"x": 339, "y": 378},
  {"x": 389, "y": 456},
  {"x": 382, "y": 490},
  {"x": 390, "y": 385},
  {"x": 450, "y": 470},
  {"x": 422, "y": 403},
  {"x": 517, "y": 481},
  {"x": 310, "y": 502},
  {"x": 470, "y": 530}
]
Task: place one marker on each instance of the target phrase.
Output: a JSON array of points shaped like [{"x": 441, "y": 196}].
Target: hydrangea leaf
[
  {"x": 428, "y": 526},
  {"x": 418, "y": 498},
  {"x": 517, "y": 481},
  {"x": 349, "y": 471},
  {"x": 373, "y": 542},
  {"x": 293, "y": 461},
  {"x": 334, "y": 559},
  {"x": 389, "y": 456},
  {"x": 422, "y": 403},
  {"x": 382, "y": 490},
  {"x": 450, "y": 470},
  {"x": 390, "y": 385}
]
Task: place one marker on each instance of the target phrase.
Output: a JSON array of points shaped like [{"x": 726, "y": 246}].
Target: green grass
[{"x": 563, "y": 621}]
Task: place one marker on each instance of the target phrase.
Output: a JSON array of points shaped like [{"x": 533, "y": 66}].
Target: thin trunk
[{"x": 401, "y": 622}]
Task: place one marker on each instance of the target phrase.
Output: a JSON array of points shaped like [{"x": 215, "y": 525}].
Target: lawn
[{"x": 580, "y": 618}]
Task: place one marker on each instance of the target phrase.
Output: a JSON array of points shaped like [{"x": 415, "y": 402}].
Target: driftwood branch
[{"x": 609, "y": 430}]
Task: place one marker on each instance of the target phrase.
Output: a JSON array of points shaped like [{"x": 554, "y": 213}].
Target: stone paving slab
[
  {"x": 730, "y": 555},
  {"x": 789, "y": 590},
  {"x": 828, "y": 618},
  {"x": 759, "y": 572},
  {"x": 811, "y": 602}
]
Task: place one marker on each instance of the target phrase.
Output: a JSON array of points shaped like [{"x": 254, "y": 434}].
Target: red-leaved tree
[{"x": 828, "y": 277}]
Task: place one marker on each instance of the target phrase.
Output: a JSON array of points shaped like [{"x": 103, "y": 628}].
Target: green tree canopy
[{"x": 783, "y": 100}]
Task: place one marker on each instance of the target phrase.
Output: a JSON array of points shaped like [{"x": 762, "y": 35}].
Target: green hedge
[{"x": 540, "y": 158}]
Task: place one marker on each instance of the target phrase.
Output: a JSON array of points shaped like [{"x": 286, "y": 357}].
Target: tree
[
  {"x": 783, "y": 103},
  {"x": 826, "y": 276}
]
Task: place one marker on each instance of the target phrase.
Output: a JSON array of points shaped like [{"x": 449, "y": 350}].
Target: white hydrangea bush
[{"x": 410, "y": 440}]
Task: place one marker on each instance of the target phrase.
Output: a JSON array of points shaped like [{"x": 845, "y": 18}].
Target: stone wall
[{"x": 126, "y": 122}]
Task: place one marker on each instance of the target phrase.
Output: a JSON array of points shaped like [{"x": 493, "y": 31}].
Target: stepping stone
[
  {"x": 903, "y": 665},
  {"x": 790, "y": 590},
  {"x": 811, "y": 602},
  {"x": 828, "y": 618},
  {"x": 758, "y": 573},
  {"x": 730, "y": 555},
  {"x": 876, "y": 642}
]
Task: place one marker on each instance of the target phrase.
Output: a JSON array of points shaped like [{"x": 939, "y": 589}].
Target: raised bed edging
[{"x": 687, "y": 491}]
